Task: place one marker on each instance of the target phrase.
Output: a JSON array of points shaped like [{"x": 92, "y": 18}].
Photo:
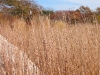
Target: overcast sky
[{"x": 68, "y": 4}]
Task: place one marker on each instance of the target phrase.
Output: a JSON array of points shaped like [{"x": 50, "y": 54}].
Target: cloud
[
  {"x": 91, "y": 3},
  {"x": 83, "y": 1}
]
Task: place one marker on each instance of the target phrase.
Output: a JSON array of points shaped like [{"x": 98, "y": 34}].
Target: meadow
[{"x": 56, "y": 47}]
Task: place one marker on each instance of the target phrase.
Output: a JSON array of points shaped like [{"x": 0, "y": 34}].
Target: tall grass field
[{"x": 56, "y": 47}]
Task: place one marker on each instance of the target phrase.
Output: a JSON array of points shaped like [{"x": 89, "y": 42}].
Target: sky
[{"x": 68, "y": 4}]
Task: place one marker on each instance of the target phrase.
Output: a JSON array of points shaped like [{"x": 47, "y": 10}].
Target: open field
[{"x": 57, "y": 48}]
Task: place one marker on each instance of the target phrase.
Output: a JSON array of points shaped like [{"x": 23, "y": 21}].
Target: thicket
[{"x": 21, "y": 8}]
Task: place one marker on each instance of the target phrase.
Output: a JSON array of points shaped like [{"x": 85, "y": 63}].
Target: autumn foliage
[{"x": 82, "y": 15}]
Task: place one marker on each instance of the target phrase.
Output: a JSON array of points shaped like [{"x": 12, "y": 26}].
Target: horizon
[{"x": 68, "y": 4}]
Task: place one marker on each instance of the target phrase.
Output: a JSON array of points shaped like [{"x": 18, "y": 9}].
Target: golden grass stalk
[{"x": 59, "y": 49}]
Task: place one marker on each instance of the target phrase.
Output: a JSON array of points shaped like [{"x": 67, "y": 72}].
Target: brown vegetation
[
  {"x": 14, "y": 61},
  {"x": 57, "y": 48},
  {"x": 82, "y": 15}
]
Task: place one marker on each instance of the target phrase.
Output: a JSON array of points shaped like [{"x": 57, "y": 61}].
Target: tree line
[
  {"x": 81, "y": 15},
  {"x": 24, "y": 9},
  {"x": 27, "y": 9}
]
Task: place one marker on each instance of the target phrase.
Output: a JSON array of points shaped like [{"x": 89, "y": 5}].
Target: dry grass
[
  {"x": 14, "y": 61},
  {"x": 57, "y": 49}
]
